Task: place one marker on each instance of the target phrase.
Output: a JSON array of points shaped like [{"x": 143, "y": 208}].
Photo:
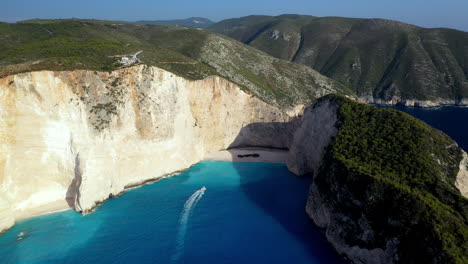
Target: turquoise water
[{"x": 249, "y": 213}]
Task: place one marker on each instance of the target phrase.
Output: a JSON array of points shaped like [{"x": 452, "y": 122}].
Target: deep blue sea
[
  {"x": 249, "y": 213},
  {"x": 449, "y": 119}
]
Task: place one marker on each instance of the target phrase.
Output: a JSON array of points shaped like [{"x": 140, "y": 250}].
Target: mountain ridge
[{"x": 382, "y": 61}]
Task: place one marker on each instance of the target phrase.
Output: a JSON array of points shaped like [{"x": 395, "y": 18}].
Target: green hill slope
[
  {"x": 387, "y": 182},
  {"x": 191, "y": 53},
  {"x": 374, "y": 57}
]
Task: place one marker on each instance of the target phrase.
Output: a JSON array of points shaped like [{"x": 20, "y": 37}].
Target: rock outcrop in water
[
  {"x": 385, "y": 184},
  {"x": 79, "y": 137}
]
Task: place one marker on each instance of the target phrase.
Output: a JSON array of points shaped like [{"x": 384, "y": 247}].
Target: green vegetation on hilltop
[
  {"x": 191, "y": 53},
  {"x": 391, "y": 173},
  {"x": 75, "y": 44},
  {"x": 374, "y": 57}
]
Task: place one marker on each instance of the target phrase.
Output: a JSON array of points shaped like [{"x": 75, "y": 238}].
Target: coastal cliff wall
[
  {"x": 315, "y": 133},
  {"x": 413, "y": 102},
  {"x": 374, "y": 212},
  {"x": 72, "y": 139}
]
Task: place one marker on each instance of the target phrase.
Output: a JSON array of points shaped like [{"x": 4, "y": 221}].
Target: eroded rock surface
[
  {"x": 462, "y": 177},
  {"x": 75, "y": 138},
  {"x": 317, "y": 128},
  {"x": 382, "y": 212}
]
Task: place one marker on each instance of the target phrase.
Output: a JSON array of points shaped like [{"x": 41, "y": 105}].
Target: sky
[{"x": 426, "y": 13}]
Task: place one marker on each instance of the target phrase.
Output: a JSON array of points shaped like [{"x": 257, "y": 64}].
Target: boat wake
[{"x": 188, "y": 207}]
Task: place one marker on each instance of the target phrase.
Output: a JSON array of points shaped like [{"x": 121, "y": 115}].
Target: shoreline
[
  {"x": 265, "y": 155},
  {"x": 414, "y": 103},
  {"x": 57, "y": 206}
]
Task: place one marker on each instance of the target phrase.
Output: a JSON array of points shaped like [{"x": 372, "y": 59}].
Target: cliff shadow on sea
[{"x": 285, "y": 204}]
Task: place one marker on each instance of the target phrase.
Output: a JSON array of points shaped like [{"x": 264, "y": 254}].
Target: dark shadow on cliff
[
  {"x": 282, "y": 198},
  {"x": 73, "y": 189}
]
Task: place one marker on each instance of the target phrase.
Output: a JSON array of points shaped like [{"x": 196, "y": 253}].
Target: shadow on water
[
  {"x": 282, "y": 199},
  {"x": 271, "y": 190}
]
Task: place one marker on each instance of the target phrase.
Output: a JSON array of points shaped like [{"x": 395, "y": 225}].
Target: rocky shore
[{"x": 437, "y": 102}]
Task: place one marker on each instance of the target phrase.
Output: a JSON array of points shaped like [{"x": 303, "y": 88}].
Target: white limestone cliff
[
  {"x": 315, "y": 133},
  {"x": 462, "y": 176},
  {"x": 435, "y": 102},
  {"x": 75, "y": 138}
]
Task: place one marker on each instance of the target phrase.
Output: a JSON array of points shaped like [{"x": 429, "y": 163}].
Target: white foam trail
[{"x": 188, "y": 207}]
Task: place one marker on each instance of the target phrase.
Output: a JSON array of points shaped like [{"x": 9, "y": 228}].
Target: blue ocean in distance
[
  {"x": 248, "y": 213},
  {"x": 452, "y": 120}
]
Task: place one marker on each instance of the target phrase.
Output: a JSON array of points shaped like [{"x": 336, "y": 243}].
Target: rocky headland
[{"x": 387, "y": 188}]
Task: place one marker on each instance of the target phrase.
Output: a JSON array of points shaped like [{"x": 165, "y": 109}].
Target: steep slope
[
  {"x": 381, "y": 60},
  {"x": 195, "y": 22},
  {"x": 190, "y": 53},
  {"x": 75, "y": 138},
  {"x": 259, "y": 31},
  {"x": 385, "y": 184}
]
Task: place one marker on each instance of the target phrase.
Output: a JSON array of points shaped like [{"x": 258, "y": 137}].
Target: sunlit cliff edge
[
  {"x": 72, "y": 139},
  {"x": 75, "y": 138}
]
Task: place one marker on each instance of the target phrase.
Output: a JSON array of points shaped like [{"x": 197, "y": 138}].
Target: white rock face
[
  {"x": 312, "y": 137},
  {"x": 462, "y": 177},
  {"x": 75, "y": 138},
  {"x": 437, "y": 102},
  {"x": 6, "y": 215}
]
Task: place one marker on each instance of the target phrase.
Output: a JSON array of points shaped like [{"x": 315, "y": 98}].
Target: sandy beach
[
  {"x": 264, "y": 155},
  {"x": 54, "y": 207}
]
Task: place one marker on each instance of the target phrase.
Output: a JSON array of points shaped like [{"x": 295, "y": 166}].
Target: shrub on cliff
[{"x": 389, "y": 180}]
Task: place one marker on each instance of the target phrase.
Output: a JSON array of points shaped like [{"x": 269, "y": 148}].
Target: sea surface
[
  {"x": 248, "y": 213},
  {"x": 449, "y": 119}
]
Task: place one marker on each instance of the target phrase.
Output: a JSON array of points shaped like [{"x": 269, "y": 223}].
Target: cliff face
[
  {"x": 76, "y": 138},
  {"x": 396, "y": 100},
  {"x": 386, "y": 186},
  {"x": 462, "y": 176},
  {"x": 317, "y": 128}
]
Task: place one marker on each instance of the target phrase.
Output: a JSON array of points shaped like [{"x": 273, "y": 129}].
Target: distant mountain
[
  {"x": 376, "y": 58},
  {"x": 196, "y": 22}
]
